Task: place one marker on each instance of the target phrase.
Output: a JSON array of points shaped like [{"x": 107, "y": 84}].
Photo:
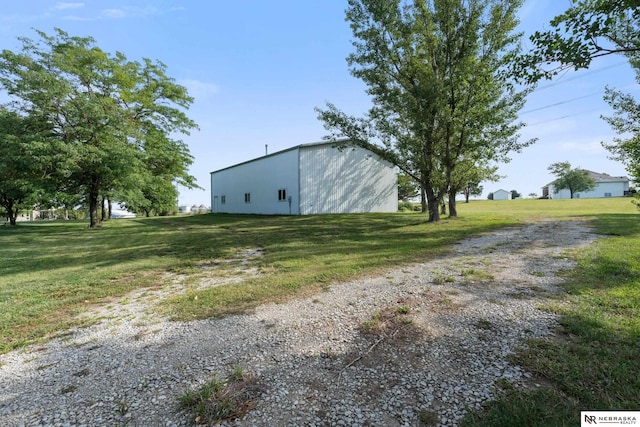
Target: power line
[
  {"x": 579, "y": 76},
  {"x": 566, "y": 101},
  {"x": 562, "y": 117}
]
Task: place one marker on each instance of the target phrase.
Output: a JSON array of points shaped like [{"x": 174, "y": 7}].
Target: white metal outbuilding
[
  {"x": 502, "y": 195},
  {"x": 317, "y": 178}
]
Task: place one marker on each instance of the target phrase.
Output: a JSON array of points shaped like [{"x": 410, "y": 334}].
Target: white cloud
[
  {"x": 199, "y": 89},
  {"x": 65, "y": 6},
  {"x": 113, "y": 13},
  {"x": 128, "y": 12}
]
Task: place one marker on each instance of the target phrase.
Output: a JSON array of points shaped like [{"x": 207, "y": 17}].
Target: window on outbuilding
[
  {"x": 247, "y": 197},
  {"x": 282, "y": 195},
  {"x": 223, "y": 199},
  {"x": 607, "y": 194}
]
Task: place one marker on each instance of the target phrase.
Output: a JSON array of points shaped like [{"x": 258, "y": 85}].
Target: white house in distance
[
  {"x": 502, "y": 195},
  {"x": 316, "y": 178},
  {"x": 606, "y": 186}
]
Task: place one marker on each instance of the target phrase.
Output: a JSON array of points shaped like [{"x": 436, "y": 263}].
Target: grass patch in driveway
[{"x": 217, "y": 401}]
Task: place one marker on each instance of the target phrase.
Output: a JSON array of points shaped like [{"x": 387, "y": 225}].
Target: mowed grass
[{"x": 50, "y": 272}]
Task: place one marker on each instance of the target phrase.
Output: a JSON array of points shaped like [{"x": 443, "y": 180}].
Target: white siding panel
[
  {"x": 261, "y": 178},
  {"x": 348, "y": 181},
  {"x": 602, "y": 189}
]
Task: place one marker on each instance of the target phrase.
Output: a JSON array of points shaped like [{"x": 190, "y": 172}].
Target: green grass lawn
[{"x": 51, "y": 271}]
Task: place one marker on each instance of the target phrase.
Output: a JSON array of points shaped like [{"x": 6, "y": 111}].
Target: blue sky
[{"x": 257, "y": 69}]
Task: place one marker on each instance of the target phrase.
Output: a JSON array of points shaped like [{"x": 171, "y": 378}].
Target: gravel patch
[{"x": 461, "y": 316}]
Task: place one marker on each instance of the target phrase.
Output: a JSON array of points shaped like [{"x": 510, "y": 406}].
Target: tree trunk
[
  {"x": 12, "y": 213},
  {"x": 467, "y": 193},
  {"x": 453, "y": 211},
  {"x": 423, "y": 200},
  {"x": 103, "y": 212},
  {"x": 110, "y": 207},
  {"x": 443, "y": 208},
  {"x": 94, "y": 220},
  {"x": 434, "y": 210},
  {"x": 433, "y": 204},
  {"x": 9, "y": 205}
]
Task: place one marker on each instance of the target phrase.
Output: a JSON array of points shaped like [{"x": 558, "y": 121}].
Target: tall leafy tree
[
  {"x": 434, "y": 70},
  {"x": 101, "y": 106},
  {"x": 164, "y": 160},
  {"x": 574, "y": 180},
  {"x": 588, "y": 29},
  {"x": 407, "y": 187},
  {"x": 626, "y": 122},
  {"x": 26, "y": 157},
  {"x": 468, "y": 177},
  {"x": 472, "y": 189}
]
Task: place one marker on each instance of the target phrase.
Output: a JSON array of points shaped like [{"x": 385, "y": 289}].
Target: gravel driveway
[{"x": 423, "y": 342}]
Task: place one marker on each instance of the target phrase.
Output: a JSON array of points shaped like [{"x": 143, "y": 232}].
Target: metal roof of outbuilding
[{"x": 280, "y": 152}]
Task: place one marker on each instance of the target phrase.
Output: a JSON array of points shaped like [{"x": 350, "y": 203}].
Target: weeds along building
[{"x": 317, "y": 178}]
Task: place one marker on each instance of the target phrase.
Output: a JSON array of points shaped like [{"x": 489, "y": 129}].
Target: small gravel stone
[{"x": 315, "y": 364}]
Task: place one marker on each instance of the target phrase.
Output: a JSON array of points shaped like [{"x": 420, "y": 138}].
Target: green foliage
[
  {"x": 515, "y": 194},
  {"x": 472, "y": 189},
  {"x": 625, "y": 122},
  {"x": 113, "y": 117},
  {"x": 408, "y": 188},
  {"x": 25, "y": 159},
  {"x": 588, "y": 29},
  {"x": 405, "y": 206},
  {"x": 469, "y": 175},
  {"x": 574, "y": 180},
  {"x": 440, "y": 97}
]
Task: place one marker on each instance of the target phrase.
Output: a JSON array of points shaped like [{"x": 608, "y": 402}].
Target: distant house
[
  {"x": 307, "y": 179},
  {"x": 502, "y": 195},
  {"x": 122, "y": 213},
  {"x": 606, "y": 186}
]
